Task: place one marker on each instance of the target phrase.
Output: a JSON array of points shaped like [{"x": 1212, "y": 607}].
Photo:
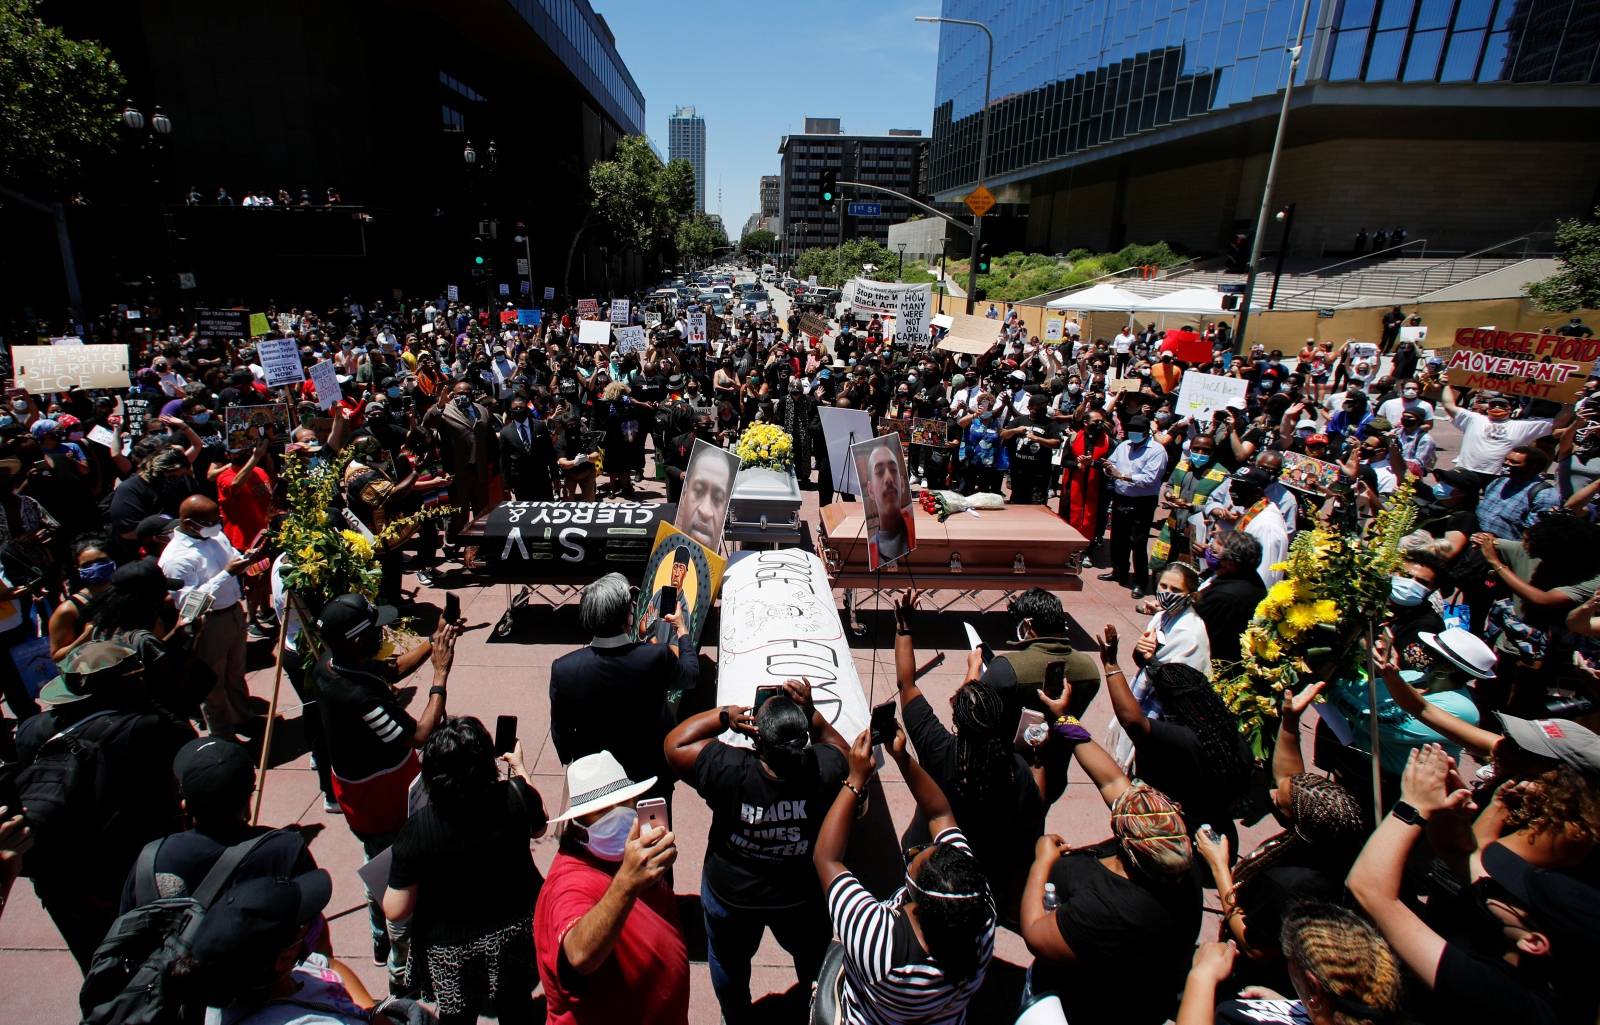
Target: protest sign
[
  {"x": 325, "y": 378},
  {"x": 1303, "y": 473},
  {"x": 549, "y": 292},
  {"x": 588, "y": 309},
  {"x": 813, "y": 324},
  {"x": 530, "y": 318},
  {"x": 1541, "y": 366},
  {"x": 691, "y": 572},
  {"x": 280, "y": 359},
  {"x": 811, "y": 281},
  {"x": 866, "y": 296},
  {"x": 135, "y": 413},
  {"x": 103, "y": 436},
  {"x": 1200, "y": 395},
  {"x": 222, "y": 324},
  {"x": 286, "y": 323},
  {"x": 1118, "y": 385},
  {"x": 505, "y": 289},
  {"x": 527, "y": 286},
  {"x": 258, "y": 325},
  {"x": 911, "y": 311},
  {"x": 508, "y": 317},
  {"x": 1053, "y": 329},
  {"x": 619, "y": 311},
  {"x": 247, "y": 425},
  {"x": 629, "y": 339},
  {"x": 929, "y": 432},
  {"x": 452, "y": 293},
  {"x": 1417, "y": 334},
  {"x": 53, "y": 368},
  {"x": 697, "y": 329},
  {"x": 66, "y": 340},
  {"x": 594, "y": 332}
]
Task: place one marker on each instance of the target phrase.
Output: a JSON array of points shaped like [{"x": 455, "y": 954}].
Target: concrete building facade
[
  {"x": 686, "y": 140},
  {"x": 893, "y": 161}
]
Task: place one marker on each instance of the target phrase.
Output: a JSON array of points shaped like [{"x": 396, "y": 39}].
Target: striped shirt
[{"x": 888, "y": 978}]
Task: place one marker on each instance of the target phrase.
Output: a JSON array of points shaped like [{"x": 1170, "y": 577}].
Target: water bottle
[{"x": 1050, "y": 901}]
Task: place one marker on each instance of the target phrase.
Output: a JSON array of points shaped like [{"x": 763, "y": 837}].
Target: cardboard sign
[
  {"x": 813, "y": 324},
  {"x": 912, "y": 309},
  {"x": 280, "y": 359},
  {"x": 688, "y": 569},
  {"x": 530, "y": 318},
  {"x": 1200, "y": 395},
  {"x": 929, "y": 432},
  {"x": 103, "y": 436},
  {"x": 1118, "y": 385},
  {"x": 630, "y": 339},
  {"x": 246, "y": 425},
  {"x": 619, "y": 311},
  {"x": 325, "y": 378},
  {"x": 697, "y": 329},
  {"x": 1528, "y": 363},
  {"x": 452, "y": 293},
  {"x": 1303, "y": 473},
  {"x": 865, "y": 296},
  {"x": 588, "y": 309},
  {"x": 1418, "y": 334},
  {"x": 66, "y": 340},
  {"x": 1053, "y": 329},
  {"x": 594, "y": 332},
  {"x": 40, "y": 369},
  {"x": 258, "y": 325},
  {"x": 222, "y": 324}
]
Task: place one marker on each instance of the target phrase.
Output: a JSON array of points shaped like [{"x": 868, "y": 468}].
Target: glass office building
[{"x": 1074, "y": 76}]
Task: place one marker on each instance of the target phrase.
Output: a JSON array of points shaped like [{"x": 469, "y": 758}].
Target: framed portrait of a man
[
  {"x": 886, "y": 499},
  {"x": 680, "y": 578},
  {"x": 707, "y": 487}
]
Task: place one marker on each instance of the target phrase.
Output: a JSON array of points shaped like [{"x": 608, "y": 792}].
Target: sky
[{"x": 756, "y": 70}]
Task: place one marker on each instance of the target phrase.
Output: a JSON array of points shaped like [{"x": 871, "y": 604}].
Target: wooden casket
[{"x": 1009, "y": 549}]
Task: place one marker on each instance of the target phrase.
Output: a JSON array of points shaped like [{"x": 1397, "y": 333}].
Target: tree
[
  {"x": 758, "y": 241},
  {"x": 58, "y": 100},
  {"x": 835, "y": 265},
  {"x": 698, "y": 237},
  {"x": 636, "y": 201},
  {"x": 1577, "y": 284}
]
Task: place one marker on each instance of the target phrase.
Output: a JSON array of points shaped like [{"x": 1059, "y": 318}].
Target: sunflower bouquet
[
  {"x": 1314, "y": 620},
  {"x": 765, "y": 445}
]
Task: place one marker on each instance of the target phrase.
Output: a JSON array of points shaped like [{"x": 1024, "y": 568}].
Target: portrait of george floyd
[
  {"x": 886, "y": 499},
  {"x": 707, "y": 486}
]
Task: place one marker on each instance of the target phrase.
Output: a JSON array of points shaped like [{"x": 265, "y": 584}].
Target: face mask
[
  {"x": 1409, "y": 393},
  {"x": 213, "y": 530},
  {"x": 96, "y": 573},
  {"x": 1199, "y": 460},
  {"x": 609, "y": 835},
  {"x": 1212, "y": 559},
  {"x": 202, "y": 418},
  {"x": 1442, "y": 490},
  {"x": 1074, "y": 389},
  {"x": 519, "y": 414},
  {"x": 1407, "y": 592},
  {"x": 1171, "y": 601},
  {"x": 394, "y": 393},
  {"x": 20, "y": 405},
  {"x": 463, "y": 402},
  {"x": 1136, "y": 437}
]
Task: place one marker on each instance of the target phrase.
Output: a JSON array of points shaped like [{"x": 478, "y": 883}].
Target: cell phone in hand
[
  {"x": 1211, "y": 833},
  {"x": 1055, "y": 678},
  {"x": 883, "y": 724},
  {"x": 762, "y": 694},
  {"x": 452, "y": 608},
  {"x": 505, "y": 734},
  {"x": 669, "y": 601},
  {"x": 652, "y": 812},
  {"x": 1029, "y": 719}
]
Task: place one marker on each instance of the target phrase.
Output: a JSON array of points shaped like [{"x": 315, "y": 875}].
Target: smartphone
[
  {"x": 452, "y": 608},
  {"x": 505, "y": 734},
  {"x": 883, "y": 725},
  {"x": 669, "y": 601},
  {"x": 1211, "y": 834},
  {"x": 1029, "y": 718},
  {"x": 762, "y": 694},
  {"x": 1055, "y": 678},
  {"x": 652, "y": 812}
]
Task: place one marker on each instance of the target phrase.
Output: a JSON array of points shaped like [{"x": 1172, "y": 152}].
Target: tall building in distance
[
  {"x": 1113, "y": 124},
  {"x": 686, "y": 140},
  {"x": 892, "y": 161},
  {"x": 771, "y": 201}
]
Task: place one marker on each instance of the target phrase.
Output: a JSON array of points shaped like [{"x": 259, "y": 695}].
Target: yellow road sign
[{"x": 980, "y": 201}]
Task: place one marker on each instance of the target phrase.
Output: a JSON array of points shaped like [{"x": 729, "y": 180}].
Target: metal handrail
[
  {"x": 1355, "y": 259},
  {"x": 1422, "y": 279},
  {"x": 1045, "y": 297}
]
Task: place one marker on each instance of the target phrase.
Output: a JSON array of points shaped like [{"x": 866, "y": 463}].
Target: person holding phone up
[{"x": 767, "y": 803}]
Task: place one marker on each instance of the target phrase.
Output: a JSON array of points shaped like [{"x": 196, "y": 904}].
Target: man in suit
[
  {"x": 466, "y": 439},
  {"x": 527, "y": 455},
  {"x": 612, "y": 694}
]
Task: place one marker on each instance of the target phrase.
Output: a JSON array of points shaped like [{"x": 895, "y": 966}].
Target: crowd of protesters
[{"x": 129, "y": 775}]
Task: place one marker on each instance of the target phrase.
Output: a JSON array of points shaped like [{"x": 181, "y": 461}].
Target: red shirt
[
  {"x": 246, "y": 506},
  {"x": 646, "y": 979}
]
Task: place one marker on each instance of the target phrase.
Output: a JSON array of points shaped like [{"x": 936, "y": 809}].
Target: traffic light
[
  {"x": 1238, "y": 259},
  {"x": 983, "y": 258},
  {"x": 1230, "y": 301},
  {"x": 480, "y": 264},
  {"x": 830, "y": 186}
]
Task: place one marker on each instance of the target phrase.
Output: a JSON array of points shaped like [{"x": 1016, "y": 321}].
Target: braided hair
[
  {"x": 983, "y": 748},
  {"x": 1188, "y": 699},
  {"x": 1347, "y": 959},
  {"x": 1324, "y": 818},
  {"x": 954, "y": 909}
]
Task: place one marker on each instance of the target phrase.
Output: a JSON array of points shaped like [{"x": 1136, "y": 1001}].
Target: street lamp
[
  {"x": 160, "y": 123},
  {"x": 900, "y": 274},
  {"x": 132, "y": 119},
  {"x": 1285, "y": 217},
  {"x": 469, "y": 154},
  {"x": 983, "y": 146}
]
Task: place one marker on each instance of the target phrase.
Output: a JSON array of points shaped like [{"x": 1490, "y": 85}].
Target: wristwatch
[
  {"x": 435, "y": 690},
  {"x": 1407, "y": 814},
  {"x": 722, "y": 717}
]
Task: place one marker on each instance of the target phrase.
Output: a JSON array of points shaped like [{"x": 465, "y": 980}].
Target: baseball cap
[
  {"x": 350, "y": 615},
  {"x": 143, "y": 576},
  {"x": 155, "y": 525},
  {"x": 1137, "y": 423},
  {"x": 90, "y": 669},
  {"x": 1317, "y": 439},
  {"x": 1253, "y": 476},
  {"x": 213, "y": 772},
  {"x": 1463, "y": 479},
  {"x": 1561, "y": 903},
  {"x": 1561, "y": 739},
  {"x": 42, "y": 427},
  {"x": 256, "y": 919}
]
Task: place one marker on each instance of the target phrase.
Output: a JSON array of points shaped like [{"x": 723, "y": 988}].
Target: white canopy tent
[
  {"x": 1194, "y": 302},
  {"x": 1102, "y": 298}
]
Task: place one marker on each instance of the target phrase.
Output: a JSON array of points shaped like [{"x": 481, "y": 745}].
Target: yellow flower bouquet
[{"x": 765, "y": 445}]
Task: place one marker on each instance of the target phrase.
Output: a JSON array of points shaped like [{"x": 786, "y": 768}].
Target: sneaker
[
  {"x": 257, "y": 632},
  {"x": 426, "y": 578},
  {"x": 380, "y": 950},
  {"x": 331, "y": 806}
]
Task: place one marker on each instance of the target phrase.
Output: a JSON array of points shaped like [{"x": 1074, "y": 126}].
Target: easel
[{"x": 307, "y": 636}]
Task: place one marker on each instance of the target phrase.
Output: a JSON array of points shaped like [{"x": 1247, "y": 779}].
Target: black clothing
[
  {"x": 368, "y": 731},
  {"x": 1226, "y": 605},
  {"x": 1471, "y": 988},
  {"x": 186, "y": 858},
  {"x": 762, "y": 829},
  {"x": 1171, "y": 759},
  {"x": 1130, "y": 534},
  {"x": 530, "y": 467}
]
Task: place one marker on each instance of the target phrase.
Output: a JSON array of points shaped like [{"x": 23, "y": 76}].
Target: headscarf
[{"x": 1149, "y": 827}]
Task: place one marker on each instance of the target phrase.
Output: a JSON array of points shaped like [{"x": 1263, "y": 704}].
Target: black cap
[
  {"x": 143, "y": 576},
  {"x": 1562, "y": 905},
  {"x": 1137, "y": 423},
  {"x": 1251, "y": 476},
  {"x": 154, "y": 526},
  {"x": 1465, "y": 480},
  {"x": 257, "y": 919},
  {"x": 214, "y": 773},
  {"x": 350, "y": 615}
]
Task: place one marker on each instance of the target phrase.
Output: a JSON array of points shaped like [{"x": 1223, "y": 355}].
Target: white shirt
[
  {"x": 1484, "y": 443},
  {"x": 1179, "y": 638},
  {"x": 1123, "y": 343},
  {"x": 1073, "y": 329},
  {"x": 1392, "y": 409},
  {"x": 202, "y": 562},
  {"x": 1268, "y": 528}
]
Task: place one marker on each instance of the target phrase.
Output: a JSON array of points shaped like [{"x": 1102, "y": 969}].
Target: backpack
[
  {"x": 63, "y": 790},
  {"x": 129, "y": 979}
]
